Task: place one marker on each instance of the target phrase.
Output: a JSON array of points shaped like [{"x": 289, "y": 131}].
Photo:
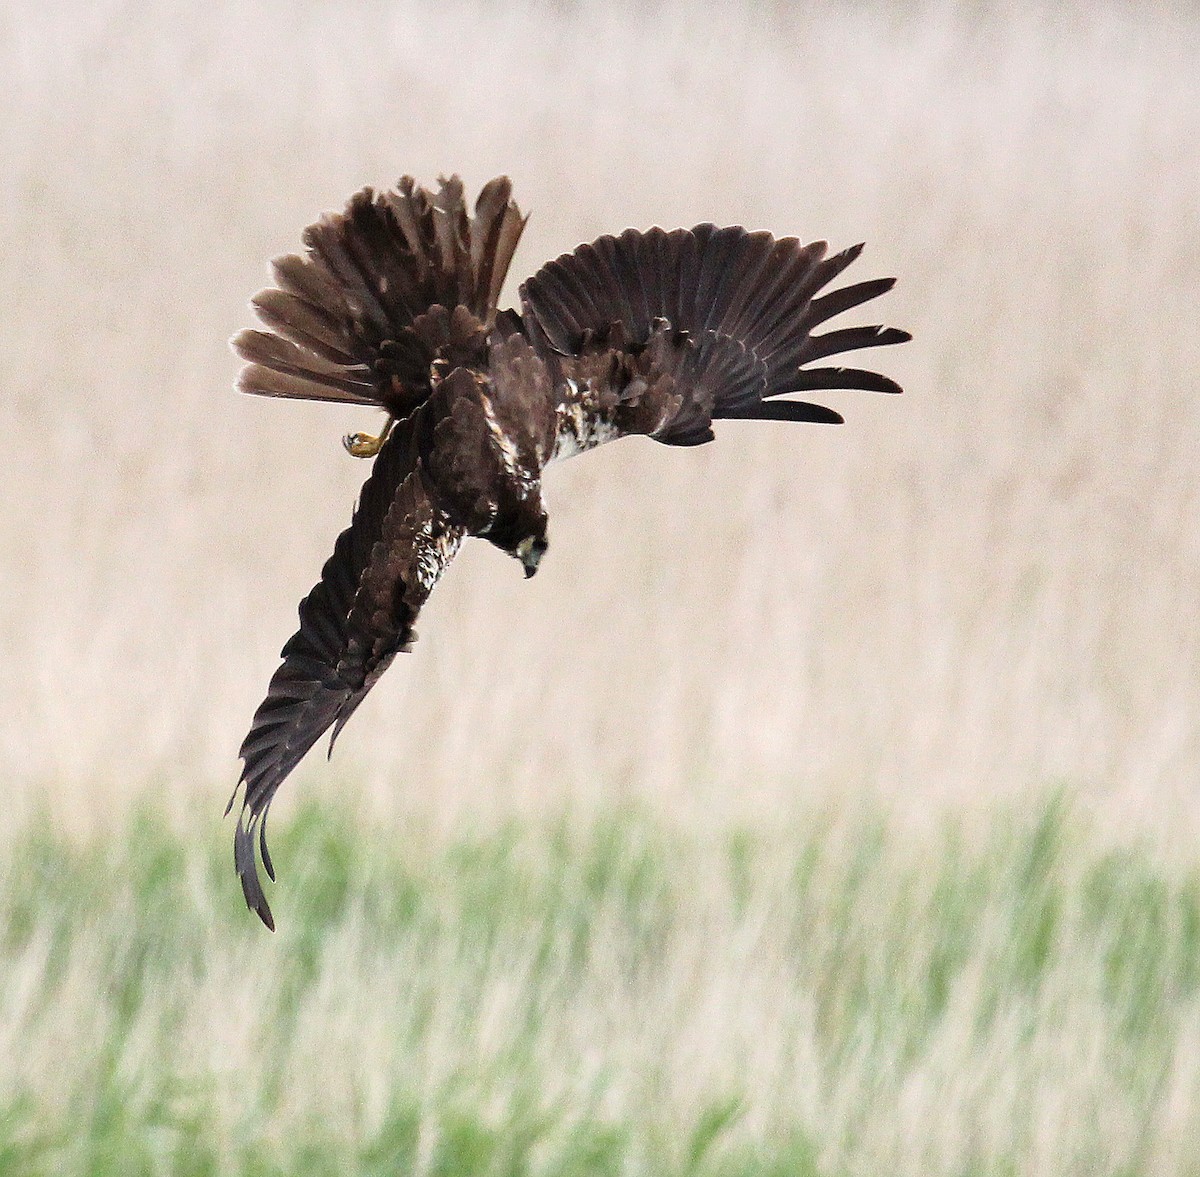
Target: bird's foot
[{"x": 363, "y": 445}]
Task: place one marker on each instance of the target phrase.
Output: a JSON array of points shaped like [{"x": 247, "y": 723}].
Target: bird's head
[
  {"x": 531, "y": 550},
  {"x": 520, "y": 530}
]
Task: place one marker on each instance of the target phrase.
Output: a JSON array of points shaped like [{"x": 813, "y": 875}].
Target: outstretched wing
[
  {"x": 720, "y": 321},
  {"x": 396, "y": 281},
  {"x": 355, "y": 620}
]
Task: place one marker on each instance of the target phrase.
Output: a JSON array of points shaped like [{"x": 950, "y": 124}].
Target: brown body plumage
[{"x": 395, "y": 305}]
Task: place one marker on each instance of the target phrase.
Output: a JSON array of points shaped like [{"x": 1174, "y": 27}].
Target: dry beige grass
[{"x": 989, "y": 586}]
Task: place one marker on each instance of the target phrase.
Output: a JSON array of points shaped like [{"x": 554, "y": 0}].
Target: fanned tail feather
[{"x": 341, "y": 318}]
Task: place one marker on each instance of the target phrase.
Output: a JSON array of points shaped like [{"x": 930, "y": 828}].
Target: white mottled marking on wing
[
  {"x": 579, "y": 424},
  {"x": 436, "y": 542}
]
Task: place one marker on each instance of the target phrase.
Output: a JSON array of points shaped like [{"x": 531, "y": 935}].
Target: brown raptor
[{"x": 394, "y": 304}]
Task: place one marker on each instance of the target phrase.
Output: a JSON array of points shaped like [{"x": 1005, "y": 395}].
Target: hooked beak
[{"x": 530, "y": 552}]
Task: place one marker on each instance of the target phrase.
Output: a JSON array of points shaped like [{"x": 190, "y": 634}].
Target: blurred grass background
[
  {"x": 882, "y": 741},
  {"x": 600, "y": 997}
]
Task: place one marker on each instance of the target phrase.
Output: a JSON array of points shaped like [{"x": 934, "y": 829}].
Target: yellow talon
[{"x": 363, "y": 445}]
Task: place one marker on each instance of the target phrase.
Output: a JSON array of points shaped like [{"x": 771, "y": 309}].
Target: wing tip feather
[{"x": 246, "y": 864}]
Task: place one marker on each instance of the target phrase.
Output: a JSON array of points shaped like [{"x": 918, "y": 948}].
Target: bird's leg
[{"x": 363, "y": 445}]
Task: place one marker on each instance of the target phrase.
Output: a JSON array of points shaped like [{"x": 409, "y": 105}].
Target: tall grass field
[
  {"x": 828, "y": 805},
  {"x": 600, "y": 997}
]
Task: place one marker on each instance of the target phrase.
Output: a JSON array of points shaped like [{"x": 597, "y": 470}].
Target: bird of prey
[{"x": 394, "y": 305}]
